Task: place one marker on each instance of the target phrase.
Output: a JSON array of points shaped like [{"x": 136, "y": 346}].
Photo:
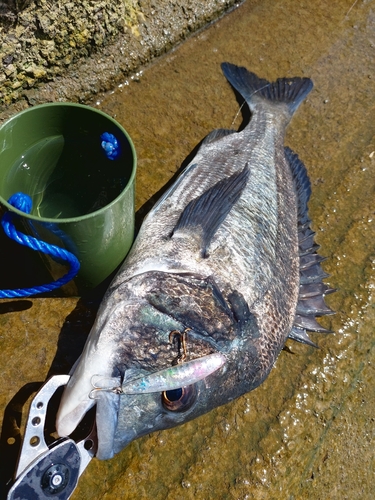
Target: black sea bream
[{"x": 223, "y": 271}]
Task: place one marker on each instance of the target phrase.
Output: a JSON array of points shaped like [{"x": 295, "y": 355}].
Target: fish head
[
  {"x": 143, "y": 413},
  {"x": 132, "y": 371},
  {"x": 214, "y": 381}
]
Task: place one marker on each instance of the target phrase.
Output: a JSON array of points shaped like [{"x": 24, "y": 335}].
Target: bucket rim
[{"x": 90, "y": 215}]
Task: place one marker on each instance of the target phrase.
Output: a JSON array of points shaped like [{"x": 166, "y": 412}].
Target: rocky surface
[{"x": 68, "y": 51}]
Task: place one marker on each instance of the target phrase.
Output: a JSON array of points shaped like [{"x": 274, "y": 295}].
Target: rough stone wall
[
  {"x": 41, "y": 38},
  {"x": 69, "y": 50}
]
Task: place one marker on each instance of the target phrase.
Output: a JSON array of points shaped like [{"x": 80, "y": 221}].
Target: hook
[{"x": 116, "y": 389}]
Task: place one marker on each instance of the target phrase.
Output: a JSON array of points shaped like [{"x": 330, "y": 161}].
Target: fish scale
[
  {"x": 273, "y": 321},
  {"x": 258, "y": 207},
  {"x": 225, "y": 262}
]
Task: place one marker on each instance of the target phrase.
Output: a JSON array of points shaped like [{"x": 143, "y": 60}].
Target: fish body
[{"x": 226, "y": 262}]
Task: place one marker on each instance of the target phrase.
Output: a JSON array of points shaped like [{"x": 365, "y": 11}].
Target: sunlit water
[{"x": 67, "y": 176}]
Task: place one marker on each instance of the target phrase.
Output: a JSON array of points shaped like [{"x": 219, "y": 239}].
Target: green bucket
[{"x": 81, "y": 200}]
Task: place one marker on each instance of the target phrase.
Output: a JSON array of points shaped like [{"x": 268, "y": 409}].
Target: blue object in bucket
[
  {"x": 110, "y": 145},
  {"x": 23, "y": 202}
]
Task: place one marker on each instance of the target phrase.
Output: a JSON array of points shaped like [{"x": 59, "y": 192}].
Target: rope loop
[{"x": 23, "y": 203}]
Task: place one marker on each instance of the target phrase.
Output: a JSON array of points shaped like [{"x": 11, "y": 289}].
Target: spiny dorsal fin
[
  {"x": 291, "y": 91},
  {"x": 309, "y": 323},
  {"x": 313, "y": 305},
  {"x": 300, "y": 335},
  {"x": 306, "y": 261},
  {"x": 312, "y": 290},
  {"x": 208, "y": 211},
  {"x": 302, "y": 183},
  {"x": 312, "y": 274},
  {"x": 306, "y": 241}
]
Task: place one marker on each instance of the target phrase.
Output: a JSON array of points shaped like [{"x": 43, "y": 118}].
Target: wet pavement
[{"x": 308, "y": 431}]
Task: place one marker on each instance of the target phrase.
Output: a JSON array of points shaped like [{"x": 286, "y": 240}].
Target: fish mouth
[
  {"x": 67, "y": 421},
  {"x": 76, "y": 400},
  {"x": 74, "y": 405},
  {"x": 107, "y": 408},
  {"x": 70, "y": 414},
  {"x": 138, "y": 407}
]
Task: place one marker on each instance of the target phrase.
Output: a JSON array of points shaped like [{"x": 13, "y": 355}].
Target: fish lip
[
  {"x": 66, "y": 424},
  {"x": 107, "y": 408}
]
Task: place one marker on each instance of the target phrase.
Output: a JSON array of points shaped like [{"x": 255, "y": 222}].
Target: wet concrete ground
[{"x": 308, "y": 431}]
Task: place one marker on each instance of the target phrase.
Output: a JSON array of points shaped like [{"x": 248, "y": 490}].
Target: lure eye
[{"x": 179, "y": 400}]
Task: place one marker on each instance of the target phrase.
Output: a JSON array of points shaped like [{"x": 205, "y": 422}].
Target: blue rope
[
  {"x": 110, "y": 145},
  {"x": 23, "y": 202}
]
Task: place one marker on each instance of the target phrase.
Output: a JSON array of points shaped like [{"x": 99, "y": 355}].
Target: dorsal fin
[
  {"x": 209, "y": 210},
  {"x": 300, "y": 335},
  {"x": 302, "y": 183},
  {"x": 312, "y": 290},
  {"x": 309, "y": 323}
]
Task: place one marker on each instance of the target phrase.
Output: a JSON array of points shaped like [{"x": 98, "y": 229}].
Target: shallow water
[{"x": 308, "y": 431}]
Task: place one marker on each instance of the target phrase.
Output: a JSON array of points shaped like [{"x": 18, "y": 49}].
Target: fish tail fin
[{"x": 291, "y": 91}]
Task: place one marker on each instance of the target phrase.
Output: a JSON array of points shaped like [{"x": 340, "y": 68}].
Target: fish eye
[{"x": 179, "y": 400}]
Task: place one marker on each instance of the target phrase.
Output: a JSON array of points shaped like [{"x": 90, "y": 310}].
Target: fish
[{"x": 223, "y": 271}]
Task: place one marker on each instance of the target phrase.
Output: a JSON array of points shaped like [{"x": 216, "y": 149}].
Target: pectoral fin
[{"x": 206, "y": 213}]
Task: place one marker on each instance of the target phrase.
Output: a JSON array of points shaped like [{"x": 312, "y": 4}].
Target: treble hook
[{"x": 96, "y": 388}]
